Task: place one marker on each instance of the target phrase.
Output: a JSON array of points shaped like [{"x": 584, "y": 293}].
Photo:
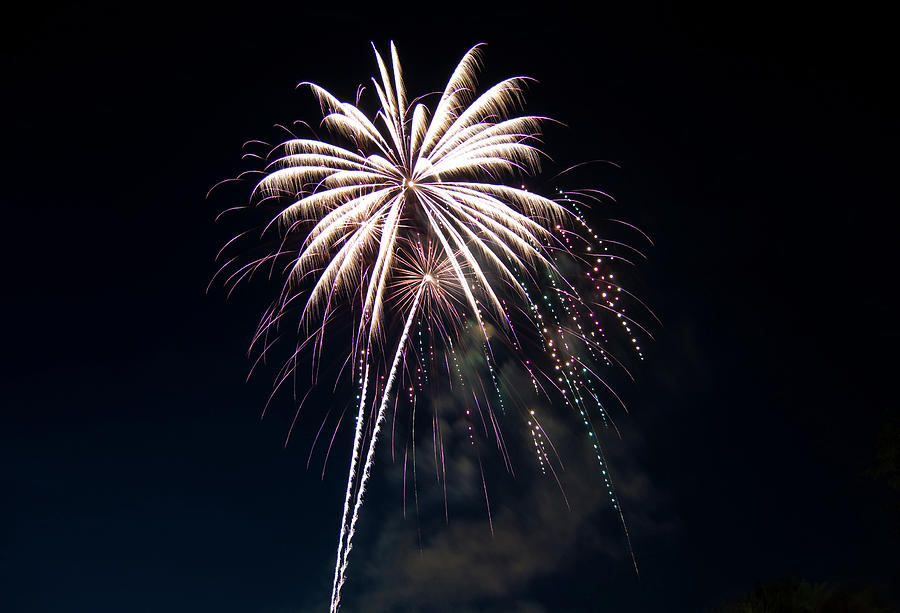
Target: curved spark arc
[{"x": 363, "y": 210}]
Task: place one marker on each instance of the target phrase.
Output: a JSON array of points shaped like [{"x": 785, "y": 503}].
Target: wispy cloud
[{"x": 461, "y": 566}]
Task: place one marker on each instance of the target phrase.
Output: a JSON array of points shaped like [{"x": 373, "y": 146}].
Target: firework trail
[{"x": 413, "y": 213}]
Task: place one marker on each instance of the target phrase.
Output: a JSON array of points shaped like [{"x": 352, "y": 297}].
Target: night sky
[{"x": 756, "y": 146}]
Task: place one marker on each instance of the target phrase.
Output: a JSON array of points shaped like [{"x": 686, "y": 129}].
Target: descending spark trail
[
  {"x": 370, "y": 455},
  {"x": 357, "y": 440},
  {"x": 410, "y": 212}
]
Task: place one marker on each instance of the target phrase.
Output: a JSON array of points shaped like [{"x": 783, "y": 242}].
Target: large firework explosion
[{"x": 416, "y": 227}]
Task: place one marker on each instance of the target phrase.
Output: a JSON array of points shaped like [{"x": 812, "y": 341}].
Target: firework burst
[{"x": 409, "y": 225}]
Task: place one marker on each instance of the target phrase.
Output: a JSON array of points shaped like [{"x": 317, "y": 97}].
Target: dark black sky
[{"x": 758, "y": 149}]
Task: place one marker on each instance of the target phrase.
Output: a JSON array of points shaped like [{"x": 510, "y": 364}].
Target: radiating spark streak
[
  {"x": 633, "y": 297},
  {"x": 405, "y": 456},
  {"x": 625, "y": 317},
  {"x": 549, "y": 440},
  {"x": 635, "y": 228},
  {"x": 610, "y": 309},
  {"x": 626, "y": 246},
  {"x": 561, "y": 488},
  {"x": 487, "y": 500},
  {"x": 600, "y": 379},
  {"x": 312, "y": 448},
  {"x": 259, "y": 359},
  {"x": 328, "y": 449},
  {"x": 296, "y": 415}
]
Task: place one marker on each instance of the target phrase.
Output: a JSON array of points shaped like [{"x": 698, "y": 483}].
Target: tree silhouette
[{"x": 801, "y": 596}]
